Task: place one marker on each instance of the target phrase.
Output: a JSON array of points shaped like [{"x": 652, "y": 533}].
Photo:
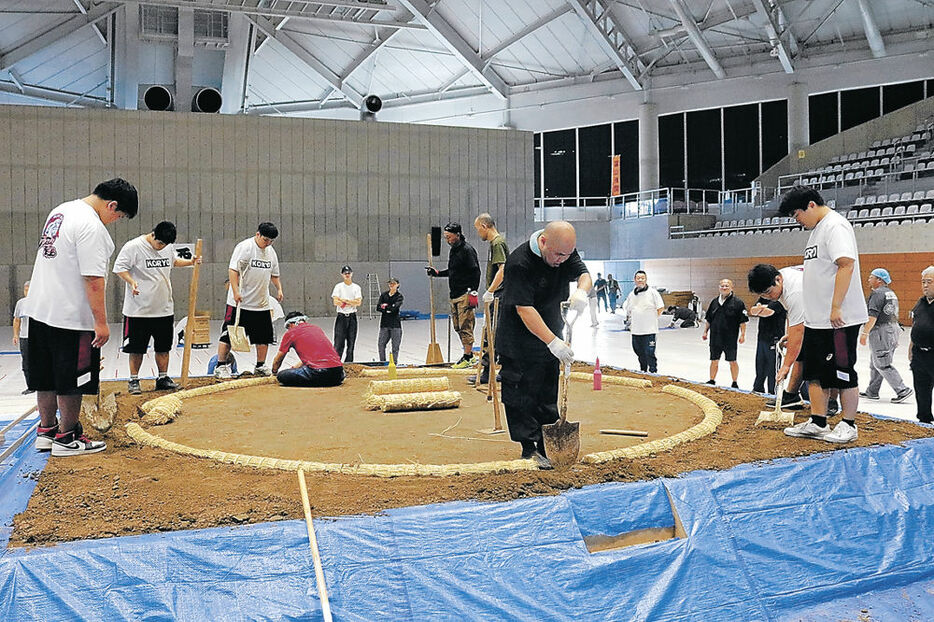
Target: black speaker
[{"x": 435, "y": 241}]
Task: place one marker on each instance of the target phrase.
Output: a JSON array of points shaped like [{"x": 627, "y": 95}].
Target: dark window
[
  {"x": 626, "y": 141},
  {"x": 704, "y": 166},
  {"x": 822, "y": 115},
  {"x": 774, "y": 132},
  {"x": 537, "y": 163},
  {"x": 741, "y": 145},
  {"x": 930, "y": 90},
  {"x": 858, "y": 106},
  {"x": 671, "y": 151},
  {"x": 594, "y": 144},
  {"x": 560, "y": 164},
  {"x": 895, "y": 96}
]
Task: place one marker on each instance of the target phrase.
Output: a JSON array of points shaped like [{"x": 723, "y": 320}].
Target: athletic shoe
[
  {"x": 133, "y": 387},
  {"x": 790, "y": 401},
  {"x": 711, "y": 381},
  {"x": 832, "y": 407},
  {"x": 27, "y": 392},
  {"x": 75, "y": 443},
  {"x": 222, "y": 372},
  {"x": 543, "y": 463},
  {"x": 484, "y": 379},
  {"x": 262, "y": 370},
  {"x": 808, "y": 429},
  {"x": 904, "y": 395},
  {"x": 867, "y": 396},
  {"x": 167, "y": 384},
  {"x": 464, "y": 362},
  {"x": 842, "y": 433},
  {"x": 735, "y": 385},
  {"x": 44, "y": 437}
]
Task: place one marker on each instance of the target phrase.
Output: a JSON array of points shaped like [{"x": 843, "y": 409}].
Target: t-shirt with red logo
[{"x": 312, "y": 346}]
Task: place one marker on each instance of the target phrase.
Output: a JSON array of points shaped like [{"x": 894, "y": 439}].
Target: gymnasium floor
[{"x": 681, "y": 353}]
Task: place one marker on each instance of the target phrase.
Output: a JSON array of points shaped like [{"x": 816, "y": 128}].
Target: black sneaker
[
  {"x": 711, "y": 381},
  {"x": 868, "y": 396},
  {"x": 904, "y": 395},
  {"x": 166, "y": 384},
  {"x": 735, "y": 385},
  {"x": 75, "y": 443},
  {"x": 133, "y": 387},
  {"x": 27, "y": 391},
  {"x": 484, "y": 378},
  {"x": 833, "y": 407},
  {"x": 45, "y": 437},
  {"x": 790, "y": 401}
]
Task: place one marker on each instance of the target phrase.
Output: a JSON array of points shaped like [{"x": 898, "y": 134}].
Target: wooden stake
[
  {"x": 192, "y": 301},
  {"x": 313, "y": 542},
  {"x": 625, "y": 432}
]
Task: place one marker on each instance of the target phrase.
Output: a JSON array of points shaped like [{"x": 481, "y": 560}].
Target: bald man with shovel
[{"x": 528, "y": 338}]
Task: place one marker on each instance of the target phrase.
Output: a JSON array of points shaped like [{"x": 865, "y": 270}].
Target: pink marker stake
[{"x": 597, "y": 376}]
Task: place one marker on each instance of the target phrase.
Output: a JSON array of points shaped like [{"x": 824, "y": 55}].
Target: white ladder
[{"x": 373, "y": 293}]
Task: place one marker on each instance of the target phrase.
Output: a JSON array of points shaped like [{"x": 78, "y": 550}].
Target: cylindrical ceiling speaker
[
  {"x": 371, "y": 105},
  {"x": 159, "y": 98},
  {"x": 435, "y": 241},
  {"x": 206, "y": 100}
]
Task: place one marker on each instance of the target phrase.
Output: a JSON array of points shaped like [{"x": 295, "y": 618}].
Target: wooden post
[
  {"x": 192, "y": 302},
  {"x": 316, "y": 556}
]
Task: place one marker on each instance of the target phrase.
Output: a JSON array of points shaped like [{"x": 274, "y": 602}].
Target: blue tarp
[{"x": 814, "y": 538}]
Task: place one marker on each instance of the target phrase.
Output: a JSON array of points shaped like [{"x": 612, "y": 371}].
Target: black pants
[
  {"x": 602, "y": 296},
  {"x": 644, "y": 347},
  {"x": 345, "y": 333},
  {"x": 765, "y": 367},
  {"x": 306, "y": 376},
  {"x": 922, "y": 371},
  {"x": 485, "y": 360},
  {"x": 24, "y": 351},
  {"x": 530, "y": 396}
]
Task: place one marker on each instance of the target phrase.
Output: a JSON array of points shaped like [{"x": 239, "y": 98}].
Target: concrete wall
[{"x": 340, "y": 192}]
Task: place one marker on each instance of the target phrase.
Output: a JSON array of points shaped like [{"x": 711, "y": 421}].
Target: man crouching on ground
[{"x": 319, "y": 364}]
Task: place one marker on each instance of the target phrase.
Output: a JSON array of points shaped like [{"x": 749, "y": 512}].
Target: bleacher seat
[
  {"x": 912, "y": 210},
  {"x": 718, "y": 224},
  {"x": 906, "y": 196},
  {"x": 890, "y": 151},
  {"x": 848, "y": 177},
  {"x": 891, "y": 223},
  {"x": 885, "y": 161},
  {"x": 870, "y": 200},
  {"x": 899, "y": 211},
  {"x": 757, "y": 222},
  {"x": 875, "y": 212},
  {"x": 927, "y": 208},
  {"x": 929, "y": 194},
  {"x": 860, "y": 201},
  {"x": 908, "y": 170},
  {"x": 876, "y": 143},
  {"x": 863, "y": 213},
  {"x": 766, "y": 221},
  {"x": 918, "y": 195},
  {"x": 859, "y": 175},
  {"x": 892, "y": 198},
  {"x": 874, "y": 162},
  {"x": 732, "y": 223},
  {"x": 850, "y": 215},
  {"x": 857, "y": 225},
  {"x": 906, "y": 222},
  {"x": 886, "y": 211}
]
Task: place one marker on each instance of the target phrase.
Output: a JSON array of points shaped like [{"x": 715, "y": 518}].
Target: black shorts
[
  {"x": 830, "y": 356},
  {"x": 62, "y": 360},
  {"x": 727, "y": 350},
  {"x": 257, "y": 324},
  {"x": 137, "y": 331}
]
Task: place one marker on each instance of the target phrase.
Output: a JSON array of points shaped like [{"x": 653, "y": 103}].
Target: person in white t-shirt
[
  {"x": 145, "y": 265},
  {"x": 834, "y": 311},
  {"x": 21, "y": 334},
  {"x": 346, "y": 296},
  {"x": 787, "y": 287},
  {"x": 67, "y": 312},
  {"x": 253, "y": 266},
  {"x": 643, "y": 305}
]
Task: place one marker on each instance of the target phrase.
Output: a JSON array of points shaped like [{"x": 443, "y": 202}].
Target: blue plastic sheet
[
  {"x": 17, "y": 475},
  {"x": 821, "y": 537}
]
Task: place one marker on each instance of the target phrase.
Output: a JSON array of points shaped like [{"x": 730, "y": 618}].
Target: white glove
[
  {"x": 487, "y": 296},
  {"x": 562, "y": 351},
  {"x": 578, "y": 301}
]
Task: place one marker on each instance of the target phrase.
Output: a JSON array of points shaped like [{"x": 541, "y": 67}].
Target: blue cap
[{"x": 882, "y": 273}]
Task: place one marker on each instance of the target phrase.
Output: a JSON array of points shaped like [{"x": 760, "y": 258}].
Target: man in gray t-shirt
[{"x": 882, "y": 332}]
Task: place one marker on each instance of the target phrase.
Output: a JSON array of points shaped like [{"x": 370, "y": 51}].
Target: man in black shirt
[
  {"x": 463, "y": 274},
  {"x": 771, "y": 330},
  {"x": 725, "y": 319},
  {"x": 528, "y": 339},
  {"x": 921, "y": 346},
  {"x": 600, "y": 286},
  {"x": 390, "y": 328}
]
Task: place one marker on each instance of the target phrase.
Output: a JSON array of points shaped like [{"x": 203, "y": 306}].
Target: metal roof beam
[
  {"x": 453, "y": 41},
  {"x": 598, "y": 17},
  {"x": 292, "y": 44},
  {"x": 544, "y": 21},
  {"x": 873, "y": 36},
  {"x": 694, "y": 34},
  {"x": 55, "y": 34},
  {"x": 68, "y": 98},
  {"x": 369, "y": 51},
  {"x": 783, "y": 56}
]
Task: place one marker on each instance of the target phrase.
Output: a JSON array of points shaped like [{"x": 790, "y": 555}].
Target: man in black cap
[
  {"x": 463, "y": 274},
  {"x": 346, "y": 296}
]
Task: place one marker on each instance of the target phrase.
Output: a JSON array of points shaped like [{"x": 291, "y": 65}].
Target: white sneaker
[
  {"x": 75, "y": 443},
  {"x": 842, "y": 433},
  {"x": 808, "y": 429},
  {"x": 262, "y": 370},
  {"x": 222, "y": 372}
]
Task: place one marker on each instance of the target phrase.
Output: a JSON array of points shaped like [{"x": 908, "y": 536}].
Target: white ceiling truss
[{"x": 310, "y": 55}]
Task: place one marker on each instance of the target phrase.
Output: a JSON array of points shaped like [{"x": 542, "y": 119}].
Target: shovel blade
[{"x": 562, "y": 442}]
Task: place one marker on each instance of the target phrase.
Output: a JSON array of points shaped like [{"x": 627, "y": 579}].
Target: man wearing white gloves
[
  {"x": 495, "y": 266},
  {"x": 528, "y": 339}
]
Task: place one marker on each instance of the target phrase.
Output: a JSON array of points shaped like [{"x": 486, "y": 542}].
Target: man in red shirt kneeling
[{"x": 319, "y": 365}]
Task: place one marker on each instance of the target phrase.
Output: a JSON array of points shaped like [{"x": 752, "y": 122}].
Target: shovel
[
  {"x": 778, "y": 415},
  {"x": 563, "y": 438},
  {"x": 100, "y": 414}
]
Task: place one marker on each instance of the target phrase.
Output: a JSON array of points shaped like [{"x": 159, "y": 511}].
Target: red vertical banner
[{"x": 614, "y": 178}]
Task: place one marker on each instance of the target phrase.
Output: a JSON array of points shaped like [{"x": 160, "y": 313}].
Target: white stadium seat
[{"x": 899, "y": 211}]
